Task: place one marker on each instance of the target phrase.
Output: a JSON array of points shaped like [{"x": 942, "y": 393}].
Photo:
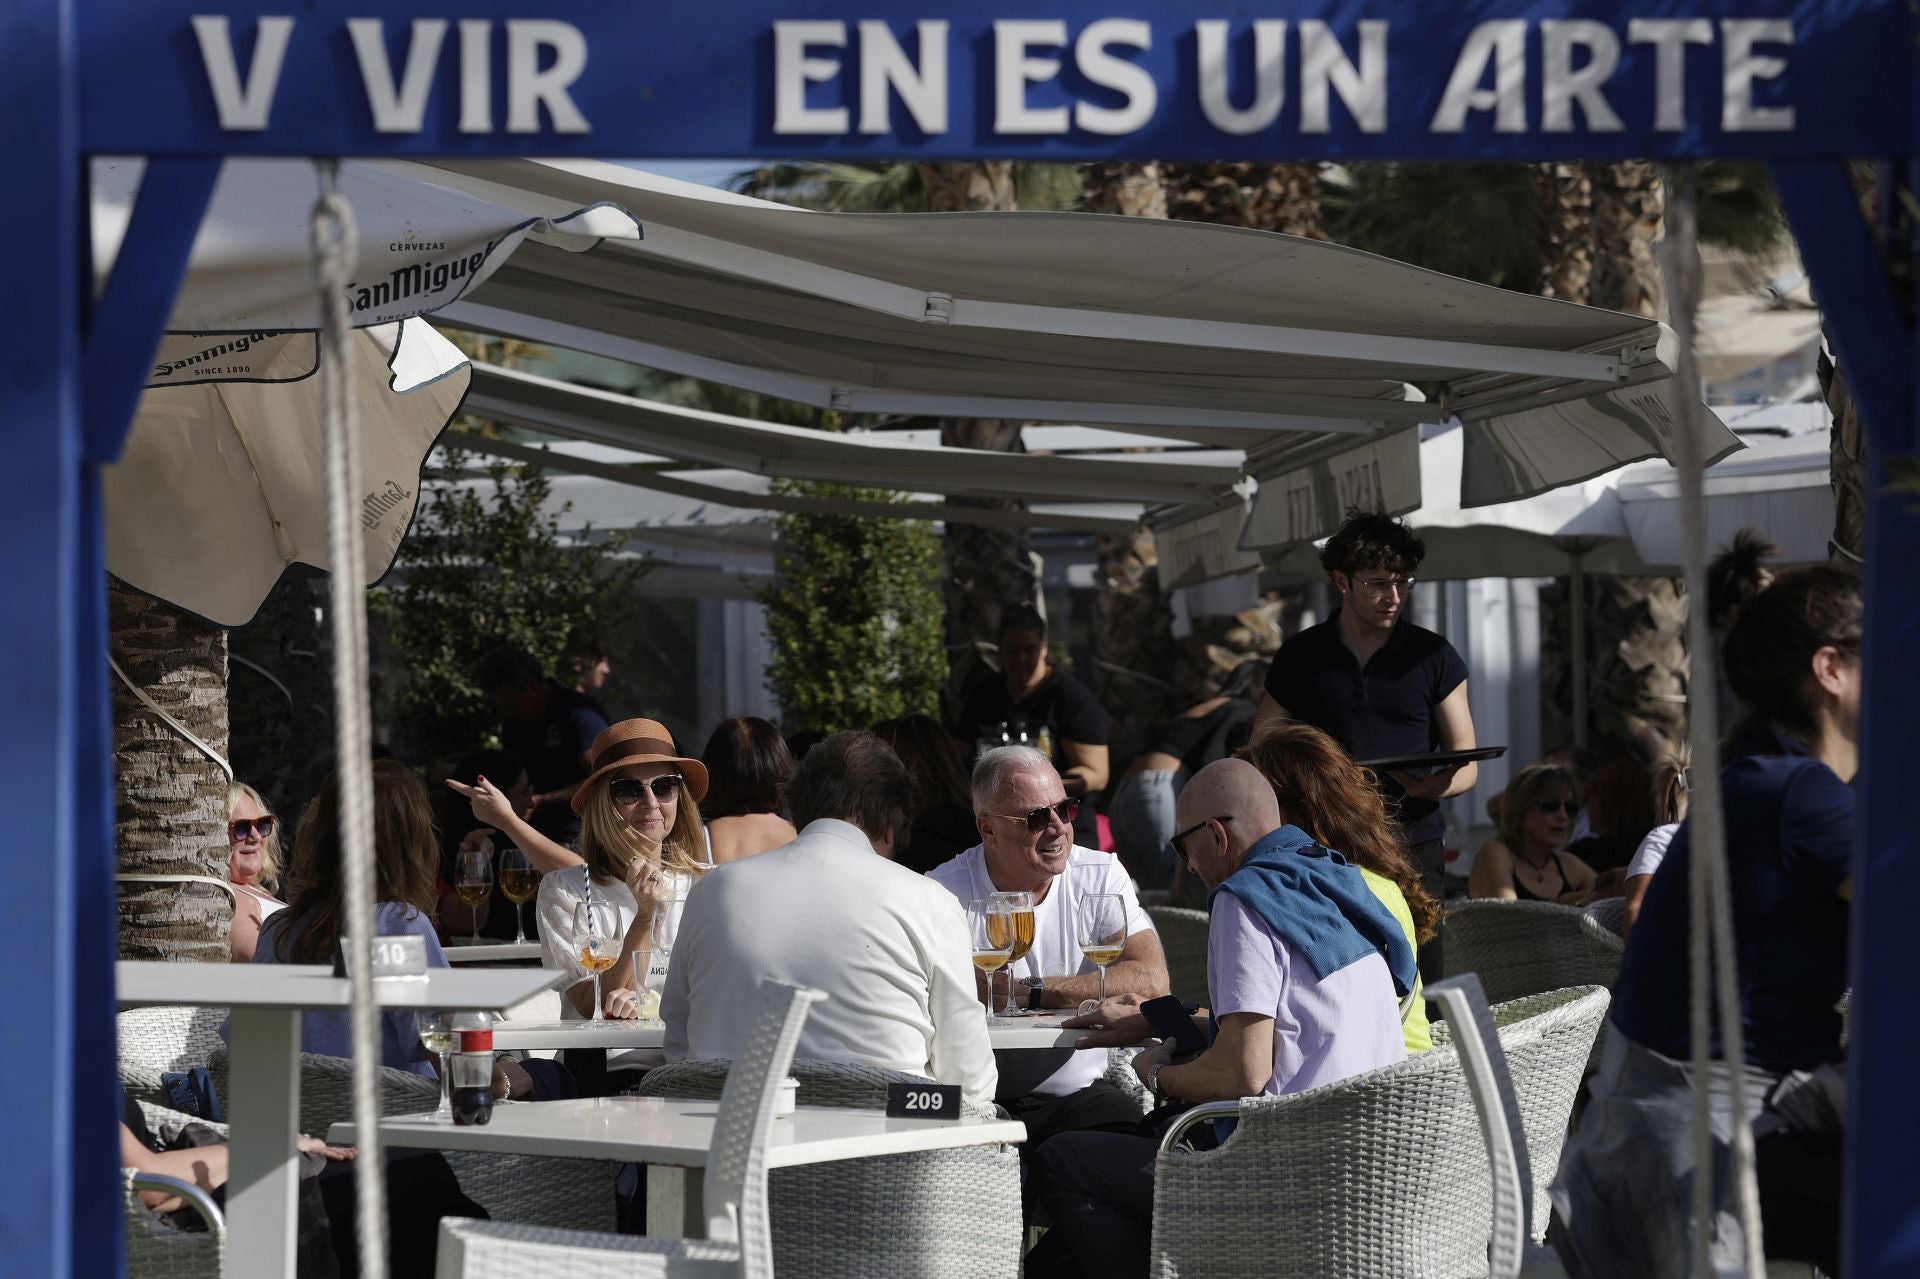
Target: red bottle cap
[{"x": 476, "y": 1041}]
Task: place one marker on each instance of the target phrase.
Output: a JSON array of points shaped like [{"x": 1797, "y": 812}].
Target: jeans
[
  {"x": 1097, "y": 1188},
  {"x": 1141, "y": 814}
]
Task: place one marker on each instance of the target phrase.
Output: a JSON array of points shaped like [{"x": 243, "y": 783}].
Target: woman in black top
[{"x": 1522, "y": 865}]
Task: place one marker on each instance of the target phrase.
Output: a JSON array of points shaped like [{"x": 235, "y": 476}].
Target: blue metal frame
[{"x": 692, "y": 80}]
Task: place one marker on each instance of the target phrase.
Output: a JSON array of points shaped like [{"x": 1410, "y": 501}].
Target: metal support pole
[{"x": 1577, "y": 623}]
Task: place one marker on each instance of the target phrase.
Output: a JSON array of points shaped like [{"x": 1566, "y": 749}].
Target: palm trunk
[
  {"x": 171, "y": 799},
  {"x": 987, "y": 569}
]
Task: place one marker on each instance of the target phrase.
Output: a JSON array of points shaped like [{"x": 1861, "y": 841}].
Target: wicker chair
[
  {"x": 1183, "y": 936},
  {"x": 840, "y": 1218},
  {"x": 1374, "y": 1175},
  {"x": 1547, "y": 1040},
  {"x": 1120, "y": 1075},
  {"x": 166, "y": 1038},
  {"x": 1601, "y": 927},
  {"x": 155, "y": 1249},
  {"x": 575, "y": 1194},
  {"x": 736, "y": 1194},
  {"x": 1519, "y": 948}
]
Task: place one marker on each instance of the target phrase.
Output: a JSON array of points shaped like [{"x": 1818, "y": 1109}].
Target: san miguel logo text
[
  {"x": 374, "y": 507},
  {"x": 195, "y": 365},
  {"x": 418, "y": 280}
]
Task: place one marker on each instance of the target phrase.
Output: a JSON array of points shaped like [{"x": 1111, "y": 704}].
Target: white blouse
[{"x": 563, "y": 890}]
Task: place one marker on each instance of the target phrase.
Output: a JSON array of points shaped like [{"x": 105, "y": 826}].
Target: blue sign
[{"x": 1061, "y": 79}]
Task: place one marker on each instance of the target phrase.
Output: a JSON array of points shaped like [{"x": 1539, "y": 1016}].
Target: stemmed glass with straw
[
  {"x": 991, "y": 924},
  {"x": 596, "y": 934},
  {"x": 1102, "y": 922}
]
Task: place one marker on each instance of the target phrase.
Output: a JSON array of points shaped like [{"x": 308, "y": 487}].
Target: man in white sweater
[{"x": 830, "y": 910}]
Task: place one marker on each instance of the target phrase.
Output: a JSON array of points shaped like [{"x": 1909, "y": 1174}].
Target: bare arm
[
  {"x": 243, "y": 934},
  {"x": 1140, "y": 970},
  {"x": 1270, "y": 712},
  {"x": 1086, "y": 770},
  {"x": 1492, "y": 872},
  {"x": 204, "y": 1166},
  {"x": 1636, "y": 893},
  {"x": 1582, "y": 880},
  {"x": 490, "y": 808},
  {"x": 1456, "y": 734},
  {"x": 1238, "y": 1064}
]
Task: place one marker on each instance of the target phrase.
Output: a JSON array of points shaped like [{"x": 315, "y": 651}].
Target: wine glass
[
  {"x": 596, "y": 938},
  {"x": 1102, "y": 922},
  {"x": 473, "y": 882},
  {"x": 519, "y": 883},
  {"x": 991, "y": 925},
  {"x": 436, "y": 1036},
  {"x": 1020, "y": 907}
]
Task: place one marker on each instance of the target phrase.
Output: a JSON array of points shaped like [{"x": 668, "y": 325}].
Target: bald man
[{"x": 1306, "y": 968}]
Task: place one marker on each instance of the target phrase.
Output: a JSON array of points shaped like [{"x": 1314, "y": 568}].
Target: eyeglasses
[
  {"x": 243, "y": 828},
  {"x": 627, "y": 790},
  {"x": 1380, "y": 587},
  {"x": 1566, "y": 806},
  {"x": 1036, "y": 818},
  {"x": 1179, "y": 840}
]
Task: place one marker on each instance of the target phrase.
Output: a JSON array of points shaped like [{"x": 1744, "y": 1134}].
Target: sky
[{"x": 712, "y": 173}]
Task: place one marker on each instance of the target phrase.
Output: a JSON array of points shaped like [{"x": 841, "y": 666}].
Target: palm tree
[{"x": 170, "y": 797}]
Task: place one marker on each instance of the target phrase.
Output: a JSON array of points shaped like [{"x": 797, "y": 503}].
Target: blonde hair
[
  {"x": 270, "y": 863},
  {"x": 609, "y": 845},
  {"x": 1534, "y": 784}
]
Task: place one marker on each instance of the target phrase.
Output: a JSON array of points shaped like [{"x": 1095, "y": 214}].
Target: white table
[
  {"x": 1042, "y": 1031},
  {"x": 263, "y": 1082},
  {"x": 672, "y": 1137},
  {"x": 494, "y": 952}
]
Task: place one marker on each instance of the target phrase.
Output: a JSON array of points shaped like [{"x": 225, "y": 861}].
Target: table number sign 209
[{"x": 923, "y": 1101}]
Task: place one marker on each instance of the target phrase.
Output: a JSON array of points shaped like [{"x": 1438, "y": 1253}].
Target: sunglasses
[
  {"x": 627, "y": 790},
  {"x": 1036, "y": 818},
  {"x": 241, "y": 829},
  {"x": 1566, "y": 806},
  {"x": 1179, "y": 841}
]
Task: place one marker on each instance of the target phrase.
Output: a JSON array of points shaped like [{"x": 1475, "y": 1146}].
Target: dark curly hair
[
  {"x": 1738, "y": 574},
  {"x": 1372, "y": 539},
  {"x": 1769, "y": 648}
]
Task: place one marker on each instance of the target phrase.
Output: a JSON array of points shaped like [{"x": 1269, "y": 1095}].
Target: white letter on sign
[
  {"x": 1669, "y": 38},
  {"x": 1742, "y": 68},
  {"x": 397, "y": 109},
  {"x": 884, "y": 64},
  {"x": 793, "y": 71},
  {"x": 1102, "y": 68},
  {"x": 476, "y": 76},
  {"x": 1505, "y": 44},
  {"x": 1364, "y": 88},
  {"x": 1562, "y": 86},
  {"x": 1269, "y": 84},
  {"x": 243, "y": 109},
  {"x": 529, "y": 88},
  {"x": 1013, "y": 71}
]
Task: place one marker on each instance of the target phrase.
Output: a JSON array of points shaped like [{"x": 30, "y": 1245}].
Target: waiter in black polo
[{"x": 1379, "y": 685}]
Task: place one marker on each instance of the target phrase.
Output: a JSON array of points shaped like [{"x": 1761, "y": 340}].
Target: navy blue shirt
[
  {"x": 553, "y": 748},
  {"x": 1064, "y": 706},
  {"x": 1790, "y": 828},
  {"x": 1381, "y": 711}
]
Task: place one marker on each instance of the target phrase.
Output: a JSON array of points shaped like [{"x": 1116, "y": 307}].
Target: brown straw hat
[{"x": 638, "y": 741}]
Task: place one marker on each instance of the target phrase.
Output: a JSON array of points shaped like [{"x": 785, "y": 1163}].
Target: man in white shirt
[
  {"x": 1025, "y": 820},
  {"x": 829, "y": 910}
]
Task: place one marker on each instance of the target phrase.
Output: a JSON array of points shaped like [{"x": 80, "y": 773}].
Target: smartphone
[{"x": 1171, "y": 1020}]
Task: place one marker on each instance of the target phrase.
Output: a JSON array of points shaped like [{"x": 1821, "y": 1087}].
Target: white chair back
[{"x": 1471, "y": 1024}]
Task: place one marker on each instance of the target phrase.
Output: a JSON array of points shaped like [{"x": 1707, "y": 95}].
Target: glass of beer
[
  {"x": 1019, "y": 908},
  {"x": 436, "y": 1036},
  {"x": 991, "y": 925},
  {"x": 596, "y": 942},
  {"x": 519, "y": 882},
  {"x": 473, "y": 883},
  {"x": 1102, "y": 921}
]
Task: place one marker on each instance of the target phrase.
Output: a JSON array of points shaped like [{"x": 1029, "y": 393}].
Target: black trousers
[
  {"x": 421, "y": 1190},
  {"x": 1097, "y": 1189},
  {"x": 1429, "y": 857}
]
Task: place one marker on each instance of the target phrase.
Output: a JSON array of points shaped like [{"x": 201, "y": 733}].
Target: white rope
[
  {"x": 170, "y": 721},
  {"x": 1711, "y": 924},
  {"x": 334, "y": 252}
]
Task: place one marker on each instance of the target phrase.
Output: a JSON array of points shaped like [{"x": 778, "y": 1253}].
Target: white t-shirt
[
  {"x": 563, "y": 890},
  {"x": 1652, "y": 850},
  {"x": 1056, "y": 941}
]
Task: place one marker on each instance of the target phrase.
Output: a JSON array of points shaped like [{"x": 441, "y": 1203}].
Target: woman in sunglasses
[
  {"x": 253, "y": 868},
  {"x": 641, "y": 846},
  {"x": 1525, "y": 863}
]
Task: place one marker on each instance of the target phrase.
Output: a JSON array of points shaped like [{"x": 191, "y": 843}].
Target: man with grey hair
[{"x": 1025, "y": 820}]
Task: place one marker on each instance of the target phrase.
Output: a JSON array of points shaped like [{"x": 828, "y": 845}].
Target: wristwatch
[
  {"x": 1153, "y": 1077},
  {"x": 1036, "y": 988}
]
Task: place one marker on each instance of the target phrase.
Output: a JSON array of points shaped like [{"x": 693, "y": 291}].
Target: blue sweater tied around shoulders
[{"x": 1312, "y": 899}]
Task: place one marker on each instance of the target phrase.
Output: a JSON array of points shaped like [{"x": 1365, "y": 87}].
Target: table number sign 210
[{"x": 923, "y": 1101}]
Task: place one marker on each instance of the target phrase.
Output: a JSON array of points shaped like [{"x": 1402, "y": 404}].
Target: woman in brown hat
[{"x": 642, "y": 847}]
